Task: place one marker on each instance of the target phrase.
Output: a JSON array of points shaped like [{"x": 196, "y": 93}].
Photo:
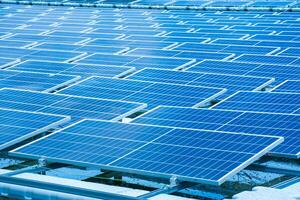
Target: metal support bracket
[
  {"x": 174, "y": 186},
  {"x": 40, "y": 167}
]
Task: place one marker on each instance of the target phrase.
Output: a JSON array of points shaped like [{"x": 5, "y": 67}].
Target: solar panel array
[
  {"x": 94, "y": 64},
  {"x": 191, "y": 155}
]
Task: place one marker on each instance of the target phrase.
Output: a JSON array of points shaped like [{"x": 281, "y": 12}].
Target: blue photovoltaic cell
[
  {"x": 262, "y": 102},
  {"x": 151, "y": 93},
  {"x": 137, "y": 61},
  {"x": 76, "y": 107},
  {"x": 199, "y": 156},
  {"x": 285, "y": 125},
  {"x": 231, "y": 83},
  {"x": 288, "y": 86},
  {"x": 17, "y": 126},
  {"x": 72, "y": 69},
  {"x": 34, "y": 81}
]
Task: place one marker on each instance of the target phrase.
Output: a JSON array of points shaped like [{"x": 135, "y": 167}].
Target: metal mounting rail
[
  {"x": 64, "y": 189},
  {"x": 161, "y": 7}
]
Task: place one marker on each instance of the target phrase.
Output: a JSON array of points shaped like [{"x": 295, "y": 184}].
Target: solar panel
[
  {"x": 79, "y": 48},
  {"x": 152, "y": 93},
  {"x": 138, "y": 62},
  {"x": 230, "y": 82},
  {"x": 17, "y": 126},
  {"x": 76, "y": 107},
  {"x": 46, "y": 38},
  {"x": 276, "y": 60},
  {"x": 285, "y": 125},
  {"x": 199, "y": 56},
  {"x": 208, "y": 157},
  {"x": 288, "y": 86},
  {"x": 262, "y": 102},
  {"x": 279, "y": 72},
  {"x": 236, "y": 49},
  {"x": 34, "y": 81},
  {"x": 73, "y": 69},
  {"x": 26, "y": 54}
]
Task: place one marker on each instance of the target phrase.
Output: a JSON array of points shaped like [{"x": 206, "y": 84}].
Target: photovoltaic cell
[
  {"x": 17, "y": 126},
  {"x": 34, "y": 81},
  {"x": 288, "y": 86},
  {"x": 199, "y": 156},
  {"x": 151, "y": 93},
  {"x": 72, "y": 69},
  {"x": 285, "y": 125},
  {"x": 276, "y": 102},
  {"x": 76, "y": 107}
]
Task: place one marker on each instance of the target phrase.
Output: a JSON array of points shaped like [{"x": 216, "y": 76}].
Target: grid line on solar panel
[
  {"x": 74, "y": 106},
  {"x": 273, "y": 102},
  {"x": 34, "y": 81},
  {"x": 273, "y": 124},
  {"x": 151, "y": 93},
  {"x": 209, "y": 157},
  {"x": 17, "y": 126},
  {"x": 72, "y": 69},
  {"x": 288, "y": 86}
]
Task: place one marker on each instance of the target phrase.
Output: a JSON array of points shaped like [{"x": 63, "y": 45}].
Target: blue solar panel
[
  {"x": 231, "y": 83},
  {"x": 79, "y": 48},
  {"x": 76, "y": 107},
  {"x": 131, "y": 43},
  {"x": 26, "y": 54},
  {"x": 285, "y": 125},
  {"x": 279, "y": 72},
  {"x": 288, "y": 86},
  {"x": 198, "y": 156},
  {"x": 43, "y": 38},
  {"x": 199, "y": 56},
  {"x": 262, "y": 102},
  {"x": 137, "y": 61},
  {"x": 17, "y": 126},
  {"x": 152, "y": 93},
  {"x": 14, "y": 43},
  {"x": 34, "y": 81},
  {"x": 72, "y": 69},
  {"x": 276, "y": 60}
]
